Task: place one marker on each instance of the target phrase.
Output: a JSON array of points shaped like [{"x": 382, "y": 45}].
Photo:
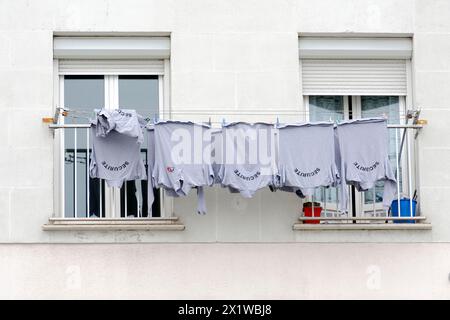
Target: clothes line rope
[
  {"x": 213, "y": 112},
  {"x": 66, "y": 112},
  {"x": 87, "y": 125}
]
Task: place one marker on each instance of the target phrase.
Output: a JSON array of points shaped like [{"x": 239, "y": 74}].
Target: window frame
[{"x": 111, "y": 82}]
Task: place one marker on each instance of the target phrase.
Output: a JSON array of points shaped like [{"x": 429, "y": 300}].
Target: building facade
[{"x": 291, "y": 60}]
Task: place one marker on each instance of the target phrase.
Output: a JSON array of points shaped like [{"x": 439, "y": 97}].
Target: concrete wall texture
[{"x": 230, "y": 56}]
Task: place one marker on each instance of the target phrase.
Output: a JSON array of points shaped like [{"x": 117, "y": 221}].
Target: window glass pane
[
  {"x": 82, "y": 94},
  {"x": 140, "y": 93},
  {"x": 379, "y": 106},
  {"x": 326, "y": 108}
]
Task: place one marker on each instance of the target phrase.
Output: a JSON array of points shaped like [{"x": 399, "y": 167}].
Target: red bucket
[{"x": 308, "y": 212}]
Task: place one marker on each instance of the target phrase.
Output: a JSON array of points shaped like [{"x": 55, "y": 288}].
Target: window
[
  {"x": 337, "y": 108},
  {"x": 81, "y": 94},
  {"x": 349, "y": 78},
  {"x": 105, "y": 72}
]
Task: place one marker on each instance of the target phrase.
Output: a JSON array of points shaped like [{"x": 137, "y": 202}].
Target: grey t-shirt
[
  {"x": 116, "y": 158},
  {"x": 248, "y": 156},
  {"x": 306, "y": 157},
  {"x": 182, "y": 161},
  {"x": 363, "y": 153},
  {"x": 116, "y": 142}
]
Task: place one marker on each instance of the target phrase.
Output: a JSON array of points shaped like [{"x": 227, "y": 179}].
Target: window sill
[
  {"x": 360, "y": 226},
  {"x": 105, "y": 224}
]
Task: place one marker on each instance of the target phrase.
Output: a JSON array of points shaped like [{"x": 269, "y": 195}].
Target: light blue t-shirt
[
  {"x": 248, "y": 159},
  {"x": 116, "y": 150},
  {"x": 189, "y": 167},
  {"x": 363, "y": 153},
  {"x": 306, "y": 157}
]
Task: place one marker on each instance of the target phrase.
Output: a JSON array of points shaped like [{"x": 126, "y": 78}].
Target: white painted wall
[
  {"x": 218, "y": 271},
  {"x": 229, "y": 55}
]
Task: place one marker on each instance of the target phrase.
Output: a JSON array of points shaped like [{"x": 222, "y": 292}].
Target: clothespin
[
  {"x": 223, "y": 122},
  {"x": 278, "y": 122},
  {"x": 64, "y": 112},
  {"x": 209, "y": 122}
]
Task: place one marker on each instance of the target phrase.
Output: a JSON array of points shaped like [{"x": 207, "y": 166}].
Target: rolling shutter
[
  {"x": 354, "y": 66},
  {"x": 353, "y": 77}
]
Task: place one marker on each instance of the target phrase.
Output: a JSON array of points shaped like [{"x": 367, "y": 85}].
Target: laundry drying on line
[
  {"x": 242, "y": 157},
  {"x": 240, "y": 143},
  {"x": 116, "y": 145},
  {"x": 363, "y": 157},
  {"x": 180, "y": 159},
  {"x": 307, "y": 158}
]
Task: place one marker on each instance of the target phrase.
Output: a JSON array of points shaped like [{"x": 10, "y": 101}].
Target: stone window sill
[
  {"x": 102, "y": 224},
  {"x": 360, "y": 226}
]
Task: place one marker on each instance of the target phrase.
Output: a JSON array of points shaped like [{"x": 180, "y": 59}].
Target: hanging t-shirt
[
  {"x": 116, "y": 158},
  {"x": 363, "y": 153},
  {"x": 306, "y": 157},
  {"x": 249, "y": 157},
  {"x": 183, "y": 158},
  {"x": 116, "y": 147}
]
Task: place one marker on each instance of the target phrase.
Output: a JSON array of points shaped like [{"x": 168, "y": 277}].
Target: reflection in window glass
[
  {"x": 326, "y": 108},
  {"x": 139, "y": 93},
  {"x": 82, "y": 94}
]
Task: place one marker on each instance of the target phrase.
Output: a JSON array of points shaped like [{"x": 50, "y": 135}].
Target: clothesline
[
  {"x": 203, "y": 112},
  {"x": 88, "y": 125},
  {"x": 67, "y": 112},
  {"x": 220, "y": 113}
]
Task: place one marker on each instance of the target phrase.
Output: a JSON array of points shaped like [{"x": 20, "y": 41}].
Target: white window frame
[{"x": 112, "y": 195}]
